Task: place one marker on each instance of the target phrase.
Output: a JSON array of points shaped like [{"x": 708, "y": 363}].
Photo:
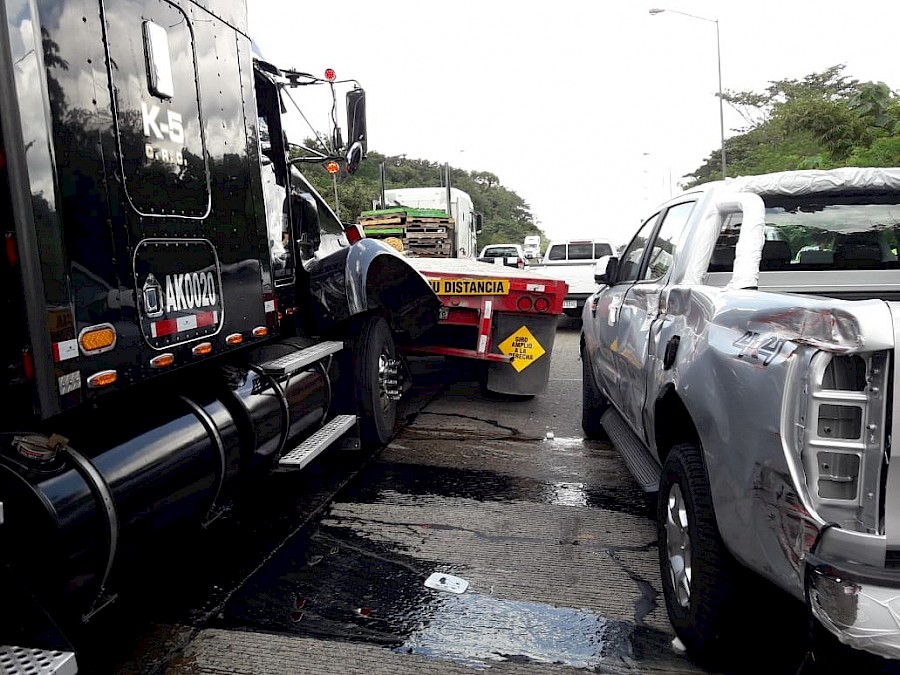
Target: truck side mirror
[
  {"x": 356, "y": 126},
  {"x": 608, "y": 276},
  {"x": 479, "y": 223},
  {"x": 356, "y": 120}
]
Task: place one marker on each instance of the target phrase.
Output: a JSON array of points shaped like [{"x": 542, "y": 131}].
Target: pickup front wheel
[
  {"x": 593, "y": 402},
  {"x": 699, "y": 576}
]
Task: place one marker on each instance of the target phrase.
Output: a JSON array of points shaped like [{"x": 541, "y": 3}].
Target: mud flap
[{"x": 529, "y": 340}]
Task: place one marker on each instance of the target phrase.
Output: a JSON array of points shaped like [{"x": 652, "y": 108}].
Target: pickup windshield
[
  {"x": 579, "y": 251},
  {"x": 500, "y": 252},
  {"x": 848, "y": 234}
]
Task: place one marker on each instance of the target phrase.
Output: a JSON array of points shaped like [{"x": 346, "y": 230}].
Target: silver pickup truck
[{"x": 741, "y": 355}]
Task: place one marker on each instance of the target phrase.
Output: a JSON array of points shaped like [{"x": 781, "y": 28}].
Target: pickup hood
[{"x": 578, "y": 275}]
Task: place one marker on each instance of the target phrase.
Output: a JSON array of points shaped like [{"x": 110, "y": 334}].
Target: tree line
[
  {"x": 507, "y": 217},
  {"x": 822, "y": 121}
]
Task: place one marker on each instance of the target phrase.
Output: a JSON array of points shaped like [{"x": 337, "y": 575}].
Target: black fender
[{"x": 371, "y": 276}]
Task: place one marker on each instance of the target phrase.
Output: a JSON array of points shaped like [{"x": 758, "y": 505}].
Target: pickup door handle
[{"x": 671, "y": 352}]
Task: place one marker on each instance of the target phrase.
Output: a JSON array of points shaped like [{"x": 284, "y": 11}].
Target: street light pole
[{"x": 658, "y": 10}]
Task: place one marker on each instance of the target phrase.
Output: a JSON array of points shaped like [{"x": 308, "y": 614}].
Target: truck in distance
[
  {"x": 426, "y": 222},
  {"x": 532, "y": 247}
]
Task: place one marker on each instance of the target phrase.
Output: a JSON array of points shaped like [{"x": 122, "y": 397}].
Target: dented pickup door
[{"x": 648, "y": 262}]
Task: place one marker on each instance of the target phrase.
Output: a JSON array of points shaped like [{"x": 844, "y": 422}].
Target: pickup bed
[{"x": 751, "y": 386}]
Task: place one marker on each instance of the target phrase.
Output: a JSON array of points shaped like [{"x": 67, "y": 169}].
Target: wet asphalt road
[{"x": 324, "y": 570}]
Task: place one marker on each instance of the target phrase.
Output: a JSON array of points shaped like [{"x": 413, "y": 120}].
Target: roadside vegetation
[
  {"x": 823, "y": 121},
  {"x": 507, "y": 217}
]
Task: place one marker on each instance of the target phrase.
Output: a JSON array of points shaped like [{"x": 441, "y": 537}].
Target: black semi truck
[{"x": 182, "y": 312}]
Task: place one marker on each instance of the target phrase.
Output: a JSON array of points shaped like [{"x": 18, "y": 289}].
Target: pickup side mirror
[{"x": 608, "y": 276}]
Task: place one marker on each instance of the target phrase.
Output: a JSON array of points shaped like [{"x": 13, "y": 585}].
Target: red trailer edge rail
[{"x": 504, "y": 317}]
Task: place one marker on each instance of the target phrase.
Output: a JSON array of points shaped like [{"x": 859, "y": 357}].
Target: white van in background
[{"x": 532, "y": 247}]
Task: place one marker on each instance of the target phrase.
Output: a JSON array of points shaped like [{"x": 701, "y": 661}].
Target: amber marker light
[
  {"x": 97, "y": 339},
  {"x": 332, "y": 167},
  {"x": 102, "y": 379},
  {"x": 202, "y": 349},
  {"x": 162, "y": 361},
  {"x": 260, "y": 332},
  {"x": 234, "y": 339}
]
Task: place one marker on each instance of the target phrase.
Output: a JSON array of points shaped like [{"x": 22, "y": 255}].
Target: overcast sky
[{"x": 585, "y": 109}]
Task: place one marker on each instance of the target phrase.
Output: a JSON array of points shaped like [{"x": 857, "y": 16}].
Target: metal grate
[
  {"x": 290, "y": 363},
  {"x": 309, "y": 449},
  {"x": 26, "y": 661}
]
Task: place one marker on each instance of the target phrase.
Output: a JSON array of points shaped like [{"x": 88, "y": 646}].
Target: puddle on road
[
  {"x": 476, "y": 629},
  {"x": 490, "y": 486},
  {"x": 337, "y": 585}
]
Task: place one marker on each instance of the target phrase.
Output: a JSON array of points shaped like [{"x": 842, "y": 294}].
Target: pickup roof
[
  {"x": 754, "y": 390},
  {"x": 574, "y": 262}
]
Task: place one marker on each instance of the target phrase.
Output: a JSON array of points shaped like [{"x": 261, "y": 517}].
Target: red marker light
[
  {"x": 330, "y": 75},
  {"x": 12, "y": 254},
  {"x": 332, "y": 167},
  {"x": 354, "y": 233}
]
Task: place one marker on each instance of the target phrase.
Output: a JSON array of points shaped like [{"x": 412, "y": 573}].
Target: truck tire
[
  {"x": 373, "y": 349},
  {"x": 593, "y": 402},
  {"x": 699, "y": 575}
]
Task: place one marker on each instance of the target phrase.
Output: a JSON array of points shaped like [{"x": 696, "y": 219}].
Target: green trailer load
[{"x": 419, "y": 233}]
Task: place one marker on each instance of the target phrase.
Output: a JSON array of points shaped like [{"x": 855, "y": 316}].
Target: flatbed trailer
[{"x": 505, "y": 318}]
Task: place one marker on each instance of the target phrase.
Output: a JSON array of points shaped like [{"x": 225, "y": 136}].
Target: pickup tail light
[{"x": 843, "y": 420}]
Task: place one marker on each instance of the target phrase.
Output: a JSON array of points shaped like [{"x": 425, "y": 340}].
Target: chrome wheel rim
[
  {"x": 388, "y": 381},
  {"x": 678, "y": 546}
]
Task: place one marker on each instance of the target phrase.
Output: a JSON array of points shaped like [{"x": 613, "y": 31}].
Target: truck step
[
  {"x": 20, "y": 660},
  {"x": 291, "y": 363},
  {"x": 641, "y": 464},
  {"x": 309, "y": 449}
]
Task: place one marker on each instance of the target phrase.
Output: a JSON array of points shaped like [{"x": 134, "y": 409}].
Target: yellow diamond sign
[{"x": 523, "y": 347}]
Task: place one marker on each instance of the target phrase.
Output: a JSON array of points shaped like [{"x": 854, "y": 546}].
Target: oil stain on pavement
[{"x": 562, "y": 569}]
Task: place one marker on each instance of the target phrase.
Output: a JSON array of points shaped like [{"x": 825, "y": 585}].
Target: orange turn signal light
[
  {"x": 234, "y": 339},
  {"x": 260, "y": 332},
  {"x": 97, "y": 339},
  {"x": 202, "y": 349},
  {"x": 102, "y": 379},
  {"x": 162, "y": 361}
]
